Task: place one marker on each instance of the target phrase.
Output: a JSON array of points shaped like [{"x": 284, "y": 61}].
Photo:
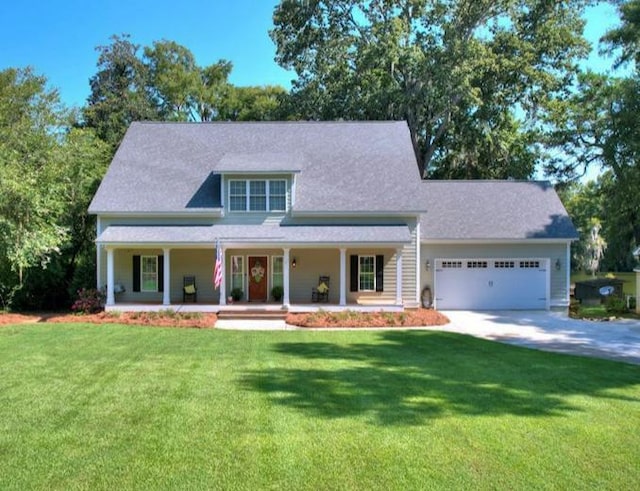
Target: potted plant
[
  {"x": 277, "y": 292},
  {"x": 236, "y": 294}
]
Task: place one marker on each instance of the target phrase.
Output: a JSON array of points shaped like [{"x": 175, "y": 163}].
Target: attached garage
[
  {"x": 492, "y": 283},
  {"x": 493, "y": 245}
]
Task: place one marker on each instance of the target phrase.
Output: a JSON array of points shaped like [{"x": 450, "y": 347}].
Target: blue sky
[{"x": 58, "y": 37}]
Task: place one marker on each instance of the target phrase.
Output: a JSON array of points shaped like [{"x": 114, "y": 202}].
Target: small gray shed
[{"x": 590, "y": 290}]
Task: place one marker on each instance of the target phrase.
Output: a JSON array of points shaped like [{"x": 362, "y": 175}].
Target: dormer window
[{"x": 257, "y": 195}]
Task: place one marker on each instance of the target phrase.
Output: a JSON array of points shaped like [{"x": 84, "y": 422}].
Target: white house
[{"x": 300, "y": 204}]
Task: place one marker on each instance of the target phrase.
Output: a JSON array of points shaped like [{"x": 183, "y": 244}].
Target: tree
[
  {"x": 48, "y": 174},
  {"x": 29, "y": 188},
  {"x": 83, "y": 159},
  {"x": 164, "y": 82},
  {"x": 183, "y": 90},
  {"x": 626, "y": 36},
  {"x": 119, "y": 91},
  {"x": 80, "y": 161},
  {"x": 584, "y": 203},
  {"x": 252, "y": 103},
  {"x": 471, "y": 77},
  {"x": 595, "y": 245},
  {"x": 620, "y": 218},
  {"x": 601, "y": 126}
]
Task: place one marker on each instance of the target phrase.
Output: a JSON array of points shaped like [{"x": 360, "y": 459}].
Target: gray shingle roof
[
  {"x": 344, "y": 166},
  {"x": 341, "y": 167},
  {"x": 207, "y": 234},
  {"x": 264, "y": 162},
  {"x": 485, "y": 210}
]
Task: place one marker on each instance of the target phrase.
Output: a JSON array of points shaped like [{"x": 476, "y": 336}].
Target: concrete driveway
[{"x": 551, "y": 331}]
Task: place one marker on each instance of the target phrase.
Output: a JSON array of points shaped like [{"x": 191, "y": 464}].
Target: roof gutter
[
  {"x": 350, "y": 214},
  {"x": 208, "y": 212},
  {"x": 499, "y": 241}
]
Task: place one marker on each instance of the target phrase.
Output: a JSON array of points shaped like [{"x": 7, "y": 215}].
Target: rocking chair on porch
[
  {"x": 321, "y": 292},
  {"x": 189, "y": 290}
]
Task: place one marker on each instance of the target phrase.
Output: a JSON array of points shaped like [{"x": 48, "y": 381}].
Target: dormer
[{"x": 259, "y": 182}]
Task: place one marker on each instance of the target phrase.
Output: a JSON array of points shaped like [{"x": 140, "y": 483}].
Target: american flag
[{"x": 217, "y": 270}]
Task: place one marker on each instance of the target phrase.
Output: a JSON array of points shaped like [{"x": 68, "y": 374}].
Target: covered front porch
[{"x": 256, "y": 274}]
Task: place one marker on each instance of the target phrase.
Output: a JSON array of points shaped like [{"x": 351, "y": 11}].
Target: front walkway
[{"x": 552, "y": 331}]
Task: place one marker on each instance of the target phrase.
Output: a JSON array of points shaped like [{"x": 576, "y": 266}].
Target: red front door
[{"x": 258, "y": 278}]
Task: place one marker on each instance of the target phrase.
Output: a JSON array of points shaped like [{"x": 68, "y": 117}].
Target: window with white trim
[
  {"x": 149, "y": 273},
  {"x": 367, "y": 273},
  {"x": 257, "y": 195},
  {"x": 237, "y": 272},
  {"x": 277, "y": 271},
  {"x": 238, "y": 195},
  {"x": 277, "y": 195}
]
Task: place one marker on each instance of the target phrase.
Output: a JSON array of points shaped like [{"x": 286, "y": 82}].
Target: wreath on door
[{"x": 257, "y": 272}]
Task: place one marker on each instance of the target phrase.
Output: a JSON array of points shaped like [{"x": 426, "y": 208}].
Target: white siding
[
  {"x": 184, "y": 262},
  {"x": 409, "y": 268},
  {"x": 311, "y": 263}
]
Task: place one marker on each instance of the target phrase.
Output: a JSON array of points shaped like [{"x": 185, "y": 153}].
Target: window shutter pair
[
  {"x": 379, "y": 273},
  {"x": 137, "y": 275}
]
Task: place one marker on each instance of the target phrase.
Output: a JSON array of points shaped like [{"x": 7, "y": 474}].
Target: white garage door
[{"x": 491, "y": 284}]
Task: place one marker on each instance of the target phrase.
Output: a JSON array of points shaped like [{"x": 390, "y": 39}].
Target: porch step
[{"x": 252, "y": 314}]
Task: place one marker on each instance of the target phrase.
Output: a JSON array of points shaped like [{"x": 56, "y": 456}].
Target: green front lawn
[{"x": 121, "y": 407}]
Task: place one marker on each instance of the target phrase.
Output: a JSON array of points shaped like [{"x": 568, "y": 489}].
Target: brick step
[{"x": 252, "y": 314}]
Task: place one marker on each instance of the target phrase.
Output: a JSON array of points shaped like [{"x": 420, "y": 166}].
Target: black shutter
[
  {"x": 160, "y": 273},
  {"x": 379, "y": 273},
  {"x": 354, "y": 273},
  {"x": 136, "y": 273}
]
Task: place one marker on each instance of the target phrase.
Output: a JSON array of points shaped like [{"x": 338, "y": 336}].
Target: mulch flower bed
[
  {"x": 410, "y": 318},
  {"x": 163, "y": 319},
  {"x": 6, "y": 319}
]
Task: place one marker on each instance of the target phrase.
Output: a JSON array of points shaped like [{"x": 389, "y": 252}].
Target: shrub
[
  {"x": 277, "y": 292},
  {"x": 236, "y": 294},
  {"x": 615, "y": 305},
  {"x": 169, "y": 313},
  {"x": 89, "y": 301}
]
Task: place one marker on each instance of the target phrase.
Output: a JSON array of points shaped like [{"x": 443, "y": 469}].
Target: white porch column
[
  {"x": 223, "y": 283},
  {"x": 568, "y": 273},
  {"x": 99, "y": 283},
  {"x": 343, "y": 276},
  {"x": 166, "y": 293},
  {"x": 285, "y": 276},
  {"x": 110, "y": 293},
  {"x": 418, "y": 265},
  {"x": 399, "y": 276}
]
